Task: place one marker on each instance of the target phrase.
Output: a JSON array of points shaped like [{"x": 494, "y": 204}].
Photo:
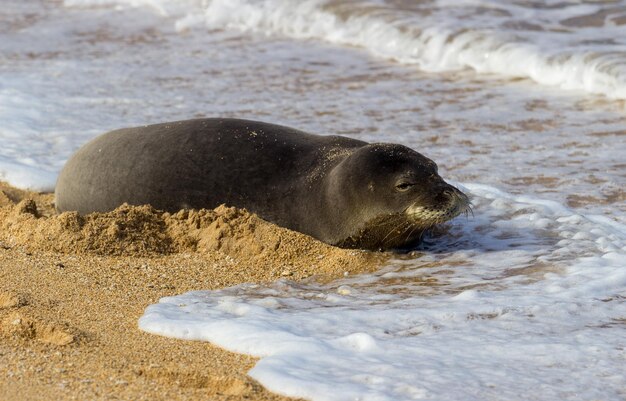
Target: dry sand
[{"x": 73, "y": 287}]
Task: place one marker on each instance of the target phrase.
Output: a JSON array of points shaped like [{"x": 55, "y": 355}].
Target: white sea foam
[
  {"x": 24, "y": 159},
  {"x": 529, "y": 301},
  {"x": 442, "y": 41},
  {"x": 572, "y": 46}
]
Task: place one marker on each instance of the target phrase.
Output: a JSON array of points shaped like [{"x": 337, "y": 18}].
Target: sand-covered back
[{"x": 72, "y": 288}]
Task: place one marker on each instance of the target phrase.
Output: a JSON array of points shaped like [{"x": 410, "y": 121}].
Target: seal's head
[{"x": 393, "y": 194}]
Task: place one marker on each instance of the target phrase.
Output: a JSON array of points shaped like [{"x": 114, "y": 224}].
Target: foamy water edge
[{"x": 488, "y": 331}]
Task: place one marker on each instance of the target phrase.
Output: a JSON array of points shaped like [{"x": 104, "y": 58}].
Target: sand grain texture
[{"x": 73, "y": 287}]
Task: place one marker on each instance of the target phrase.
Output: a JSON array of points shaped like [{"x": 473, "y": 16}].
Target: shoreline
[{"x": 68, "y": 316}]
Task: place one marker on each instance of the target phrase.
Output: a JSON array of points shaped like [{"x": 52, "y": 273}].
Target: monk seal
[{"x": 342, "y": 191}]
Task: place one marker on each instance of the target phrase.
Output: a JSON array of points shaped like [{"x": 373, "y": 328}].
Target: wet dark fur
[{"x": 340, "y": 190}]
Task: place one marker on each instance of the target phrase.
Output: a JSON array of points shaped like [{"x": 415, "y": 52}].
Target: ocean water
[{"x": 521, "y": 103}]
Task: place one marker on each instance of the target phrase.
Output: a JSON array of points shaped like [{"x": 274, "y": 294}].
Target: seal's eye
[{"x": 403, "y": 186}]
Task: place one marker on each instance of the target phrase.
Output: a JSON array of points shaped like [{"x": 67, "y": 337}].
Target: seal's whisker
[
  {"x": 384, "y": 240},
  {"x": 412, "y": 229},
  {"x": 389, "y": 233},
  {"x": 411, "y": 233}
]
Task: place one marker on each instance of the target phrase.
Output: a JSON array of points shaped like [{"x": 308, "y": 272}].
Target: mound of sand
[
  {"x": 145, "y": 231},
  {"x": 72, "y": 288}
]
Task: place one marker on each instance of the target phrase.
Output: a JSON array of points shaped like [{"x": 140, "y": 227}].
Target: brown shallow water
[{"x": 72, "y": 289}]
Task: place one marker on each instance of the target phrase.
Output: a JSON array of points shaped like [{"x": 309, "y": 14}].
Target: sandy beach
[{"x": 72, "y": 288}]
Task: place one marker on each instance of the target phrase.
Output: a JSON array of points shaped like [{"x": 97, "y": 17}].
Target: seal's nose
[
  {"x": 452, "y": 196},
  {"x": 460, "y": 200},
  {"x": 446, "y": 195}
]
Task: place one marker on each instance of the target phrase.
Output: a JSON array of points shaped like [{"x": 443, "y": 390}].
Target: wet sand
[{"x": 73, "y": 287}]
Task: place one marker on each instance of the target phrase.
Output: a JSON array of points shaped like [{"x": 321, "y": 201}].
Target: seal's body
[{"x": 342, "y": 191}]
